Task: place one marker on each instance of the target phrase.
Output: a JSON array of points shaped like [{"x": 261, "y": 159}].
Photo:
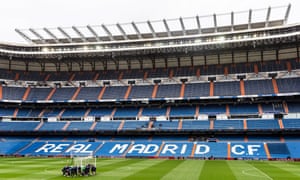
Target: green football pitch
[{"x": 50, "y": 168}]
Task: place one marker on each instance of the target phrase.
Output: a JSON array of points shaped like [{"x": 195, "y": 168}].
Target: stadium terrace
[{"x": 223, "y": 86}]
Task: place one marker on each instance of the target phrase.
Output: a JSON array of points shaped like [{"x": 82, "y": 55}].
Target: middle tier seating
[
  {"x": 190, "y": 90},
  {"x": 162, "y": 125},
  {"x": 164, "y": 112}
]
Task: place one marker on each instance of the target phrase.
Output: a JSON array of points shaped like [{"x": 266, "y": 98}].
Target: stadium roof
[{"x": 227, "y": 22}]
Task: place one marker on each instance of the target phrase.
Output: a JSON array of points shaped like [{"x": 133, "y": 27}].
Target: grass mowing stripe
[
  {"x": 101, "y": 162},
  {"x": 119, "y": 164},
  {"x": 272, "y": 171},
  {"x": 156, "y": 171},
  {"x": 245, "y": 171},
  {"x": 189, "y": 169},
  {"x": 125, "y": 171},
  {"x": 294, "y": 169},
  {"x": 216, "y": 169}
]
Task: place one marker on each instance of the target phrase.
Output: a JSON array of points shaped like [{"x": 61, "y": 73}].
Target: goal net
[{"x": 82, "y": 161}]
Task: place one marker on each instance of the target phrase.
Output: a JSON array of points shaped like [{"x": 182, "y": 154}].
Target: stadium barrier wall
[{"x": 157, "y": 149}]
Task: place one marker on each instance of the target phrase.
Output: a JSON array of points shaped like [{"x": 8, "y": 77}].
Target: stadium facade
[{"x": 224, "y": 86}]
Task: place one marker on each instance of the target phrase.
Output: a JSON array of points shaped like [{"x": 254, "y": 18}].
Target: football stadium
[{"x": 203, "y": 97}]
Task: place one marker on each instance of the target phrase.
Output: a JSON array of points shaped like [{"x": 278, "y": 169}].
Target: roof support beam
[
  {"x": 287, "y": 13},
  {"x": 232, "y": 21},
  {"x": 198, "y": 24},
  {"x": 37, "y": 35},
  {"x": 65, "y": 34},
  {"x": 108, "y": 32},
  {"x": 51, "y": 34},
  {"x": 24, "y": 36},
  {"x": 79, "y": 34},
  {"x": 215, "y": 22},
  {"x": 182, "y": 26},
  {"x": 136, "y": 30},
  {"x": 93, "y": 32},
  {"x": 151, "y": 29},
  {"x": 167, "y": 27},
  {"x": 249, "y": 18},
  {"x": 122, "y": 31},
  {"x": 268, "y": 17}
]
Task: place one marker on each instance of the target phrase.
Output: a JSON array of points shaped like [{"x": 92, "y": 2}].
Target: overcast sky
[{"x": 26, "y": 14}]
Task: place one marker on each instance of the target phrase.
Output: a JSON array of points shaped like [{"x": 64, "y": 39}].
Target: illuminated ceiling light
[
  {"x": 45, "y": 49},
  {"x": 85, "y": 48},
  {"x": 221, "y": 38}
]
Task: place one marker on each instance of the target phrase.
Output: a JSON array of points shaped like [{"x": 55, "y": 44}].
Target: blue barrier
[{"x": 174, "y": 149}]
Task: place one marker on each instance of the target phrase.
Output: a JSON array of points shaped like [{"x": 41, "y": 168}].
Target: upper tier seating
[
  {"x": 114, "y": 92},
  {"x": 84, "y": 76},
  {"x": 185, "y": 71},
  {"x": 169, "y": 90},
  {"x": 63, "y": 94},
  {"x": 141, "y": 91},
  {"x": 237, "y": 68},
  {"x": 59, "y": 76},
  {"x": 6, "y": 74},
  {"x": 191, "y": 90},
  {"x": 89, "y": 93},
  {"x": 108, "y": 75},
  {"x": 38, "y": 94},
  {"x": 13, "y": 93},
  {"x": 196, "y": 90},
  {"x": 133, "y": 74},
  {"x": 254, "y": 87},
  {"x": 227, "y": 88},
  {"x": 32, "y": 76},
  {"x": 288, "y": 85}
]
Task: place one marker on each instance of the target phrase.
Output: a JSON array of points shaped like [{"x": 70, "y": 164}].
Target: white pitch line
[{"x": 264, "y": 174}]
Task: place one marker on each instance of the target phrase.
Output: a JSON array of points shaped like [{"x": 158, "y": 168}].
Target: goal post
[
  {"x": 80, "y": 165},
  {"x": 83, "y": 160}
]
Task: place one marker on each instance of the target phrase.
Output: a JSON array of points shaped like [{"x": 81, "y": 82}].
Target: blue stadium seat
[
  {"x": 227, "y": 88},
  {"x": 195, "y": 125},
  {"x": 89, "y": 93},
  {"x": 52, "y": 126},
  {"x": 262, "y": 124},
  {"x": 228, "y": 124},
  {"x": 169, "y": 90}
]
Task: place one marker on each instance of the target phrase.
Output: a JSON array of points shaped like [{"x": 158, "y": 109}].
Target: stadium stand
[{"x": 230, "y": 95}]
